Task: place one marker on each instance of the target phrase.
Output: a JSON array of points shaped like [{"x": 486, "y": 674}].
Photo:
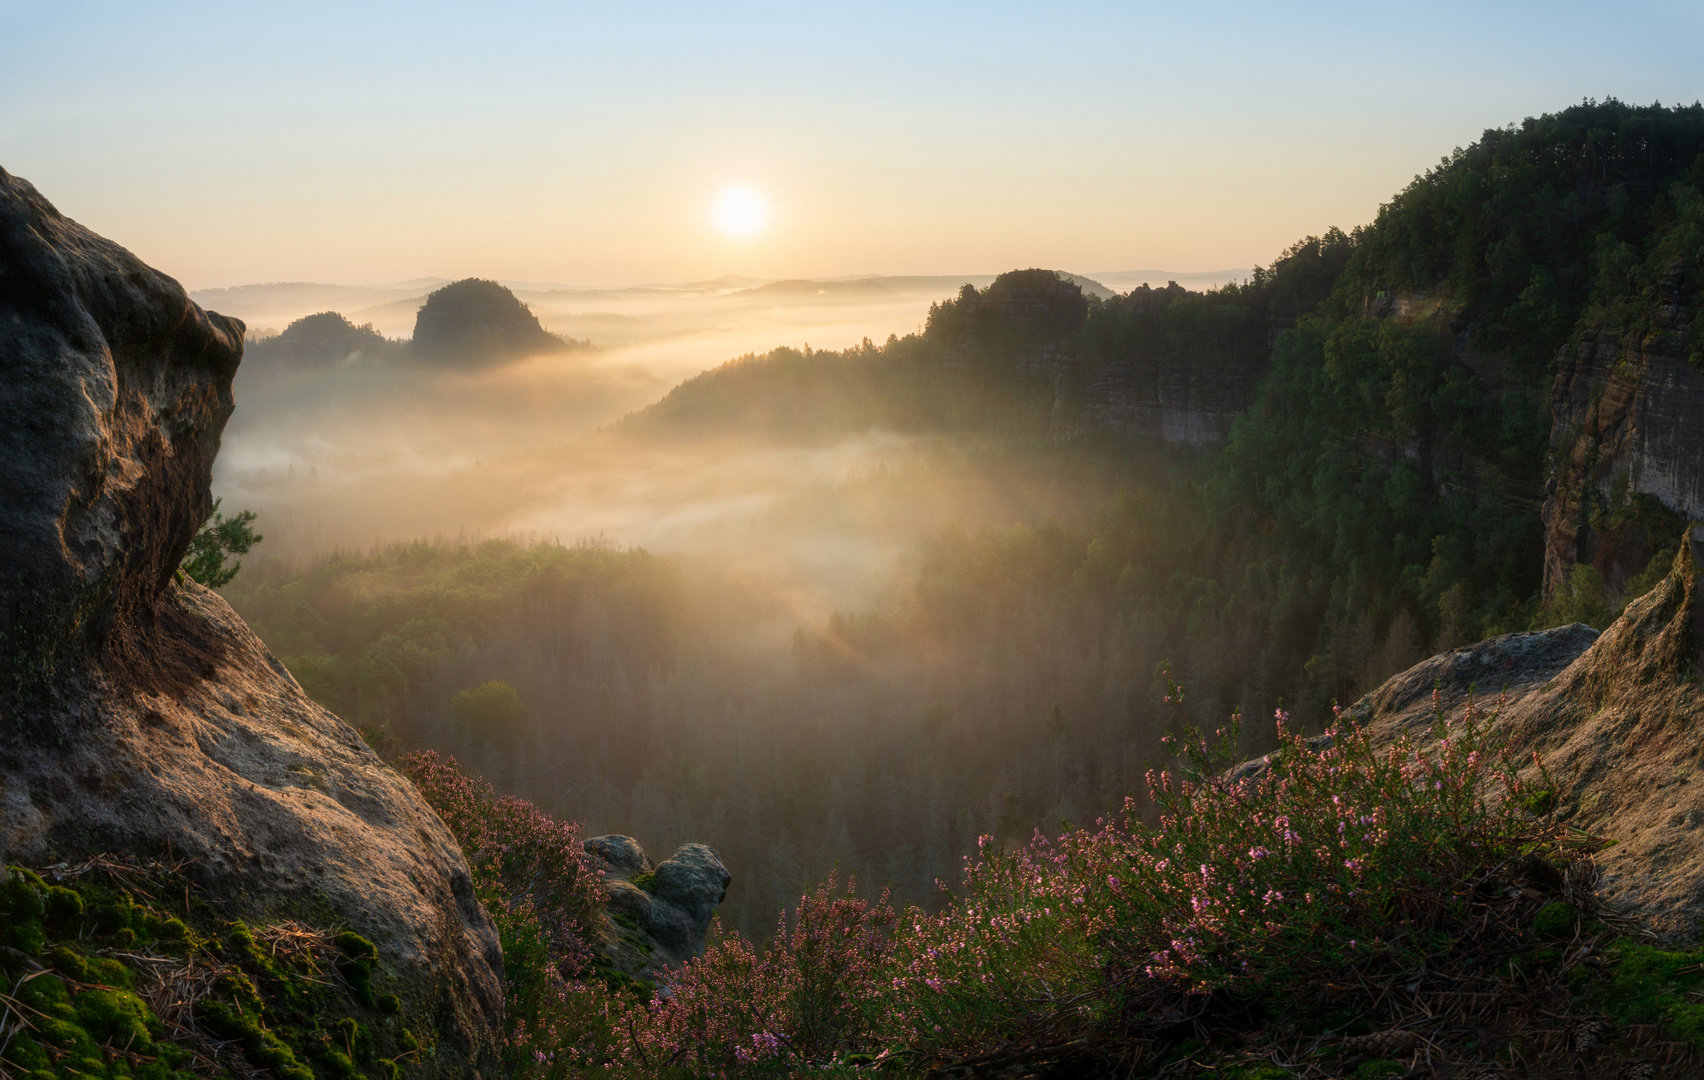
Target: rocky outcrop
[
  {"x": 1627, "y": 421},
  {"x": 1617, "y": 720},
  {"x": 138, "y": 713},
  {"x": 479, "y": 321},
  {"x": 656, "y": 916},
  {"x": 1621, "y": 730},
  {"x": 1494, "y": 673}
]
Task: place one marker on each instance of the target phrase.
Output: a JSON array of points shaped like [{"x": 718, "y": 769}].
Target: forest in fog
[{"x": 855, "y": 608}]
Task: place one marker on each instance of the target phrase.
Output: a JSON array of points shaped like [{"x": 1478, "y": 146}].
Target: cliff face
[
  {"x": 138, "y": 713},
  {"x": 1627, "y": 421}
]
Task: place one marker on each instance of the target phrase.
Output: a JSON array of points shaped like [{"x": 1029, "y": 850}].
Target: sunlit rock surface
[
  {"x": 1617, "y": 720},
  {"x": 138, "y": 713},
  {"x": 1495, "y": 673}
]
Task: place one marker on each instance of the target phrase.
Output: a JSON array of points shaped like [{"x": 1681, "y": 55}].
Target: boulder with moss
[
  {"x": 138, "y": 713},
  {"x": 655, "y": 916}
]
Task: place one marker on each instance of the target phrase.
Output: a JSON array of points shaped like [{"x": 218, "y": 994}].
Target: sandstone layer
[{"x": 138, "y": 713}]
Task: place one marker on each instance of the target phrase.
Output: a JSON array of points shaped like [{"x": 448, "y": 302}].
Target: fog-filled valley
[
  {"x": 695, "y": 543},
  {"x": 711, "y": 619},
  {"x": 856, "y": 606}
]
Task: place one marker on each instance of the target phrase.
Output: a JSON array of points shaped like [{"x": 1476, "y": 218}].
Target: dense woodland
[{"x": 1379, "y": 500}]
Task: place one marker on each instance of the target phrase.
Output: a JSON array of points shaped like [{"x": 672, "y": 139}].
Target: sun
[{"x": 740, "y": 212}]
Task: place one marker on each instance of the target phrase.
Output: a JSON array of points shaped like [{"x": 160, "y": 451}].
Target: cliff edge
[{"x": 138, "y": 713}]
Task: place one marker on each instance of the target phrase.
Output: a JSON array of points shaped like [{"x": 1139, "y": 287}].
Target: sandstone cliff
[
  {"x": 139, "y": 714},
  {"x": 1627, "y": 415}
]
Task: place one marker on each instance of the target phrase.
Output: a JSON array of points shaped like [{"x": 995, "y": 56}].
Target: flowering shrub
[
  {"x": 812, "y": 997},
  {"x": 1333, "y": 860},
  {"x": 543, "y": 893},
  {"x": 1335, "y": 855}
]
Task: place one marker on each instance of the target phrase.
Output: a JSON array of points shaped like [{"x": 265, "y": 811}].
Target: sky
[{"x": 592, "y": 143}]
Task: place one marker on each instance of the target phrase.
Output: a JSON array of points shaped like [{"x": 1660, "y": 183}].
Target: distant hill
[
  {"x": 323, "y": 339},
  {"x": 479, "y": 320},
  {"x": 832, "y": 290},
  {"x": 468, "y": 321}
]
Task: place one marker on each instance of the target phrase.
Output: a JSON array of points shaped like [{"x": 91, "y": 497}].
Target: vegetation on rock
[{"x": 126, "y": 969}]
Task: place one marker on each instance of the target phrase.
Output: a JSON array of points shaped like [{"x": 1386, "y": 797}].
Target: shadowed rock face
[
  {"x": 657, "y": 921},
  {"x": 116, "y": 390},
  {"x": 141, "y": 715},
  {"x": 1627, "y": 419}
]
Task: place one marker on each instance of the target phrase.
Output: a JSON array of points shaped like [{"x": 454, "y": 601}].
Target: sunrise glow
[{"x": 740, "y": 212}]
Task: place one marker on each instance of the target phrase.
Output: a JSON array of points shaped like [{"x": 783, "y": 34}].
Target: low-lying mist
[
  {"x": 803, "y": 636},
  {"x": 349, "y": 456}
]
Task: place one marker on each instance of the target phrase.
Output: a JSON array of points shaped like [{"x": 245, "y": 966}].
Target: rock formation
[
  {"x": 1506, "y": 669},
  {"x": 657, "y": 916},
  {"x": 139, "y": 714},
  {"x": 1627, "y": 419},
  {"x": 480, "y": 321},
  {"x": 1618, "y": 721}
]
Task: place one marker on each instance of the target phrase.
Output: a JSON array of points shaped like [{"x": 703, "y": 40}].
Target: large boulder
[
  {"x": 138, "y": 713},
  {"x": 656, "y": 917}
]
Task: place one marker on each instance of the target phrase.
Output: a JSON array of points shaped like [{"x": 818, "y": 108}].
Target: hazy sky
[{"x": 229, "y": 143}]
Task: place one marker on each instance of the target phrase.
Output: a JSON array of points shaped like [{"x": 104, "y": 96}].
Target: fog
[
  {"x": 777, "y": 686},
  {"x": 353, "y": 456}
]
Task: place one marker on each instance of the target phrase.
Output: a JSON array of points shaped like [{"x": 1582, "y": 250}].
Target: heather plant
[
  {"x": 544, "y": 894},
  {"x": 815, "y": 996},
  {"x": 1330, "y": 857}
]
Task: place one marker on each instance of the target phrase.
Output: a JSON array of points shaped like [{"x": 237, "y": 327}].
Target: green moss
[
  {"x": 645, "y": 880},
  {"x": 106, "y": 972},
  {"x": 356, "y": 961},
  {"x": 1537, "y": 803},
  {"x": 1556, "y": 919},
  {"x": 61, "y": 908},
  {"x": 118, "y": 1017},
  {"x": 279, "y": 1009},
  {"x": 1651, "y": 985},
  {"x": 28, "y": 1055},
  {"x": 26, "y": 937},
  {"x": 69, "y": 962},
  {"x": 1381, "y": 1069}
]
